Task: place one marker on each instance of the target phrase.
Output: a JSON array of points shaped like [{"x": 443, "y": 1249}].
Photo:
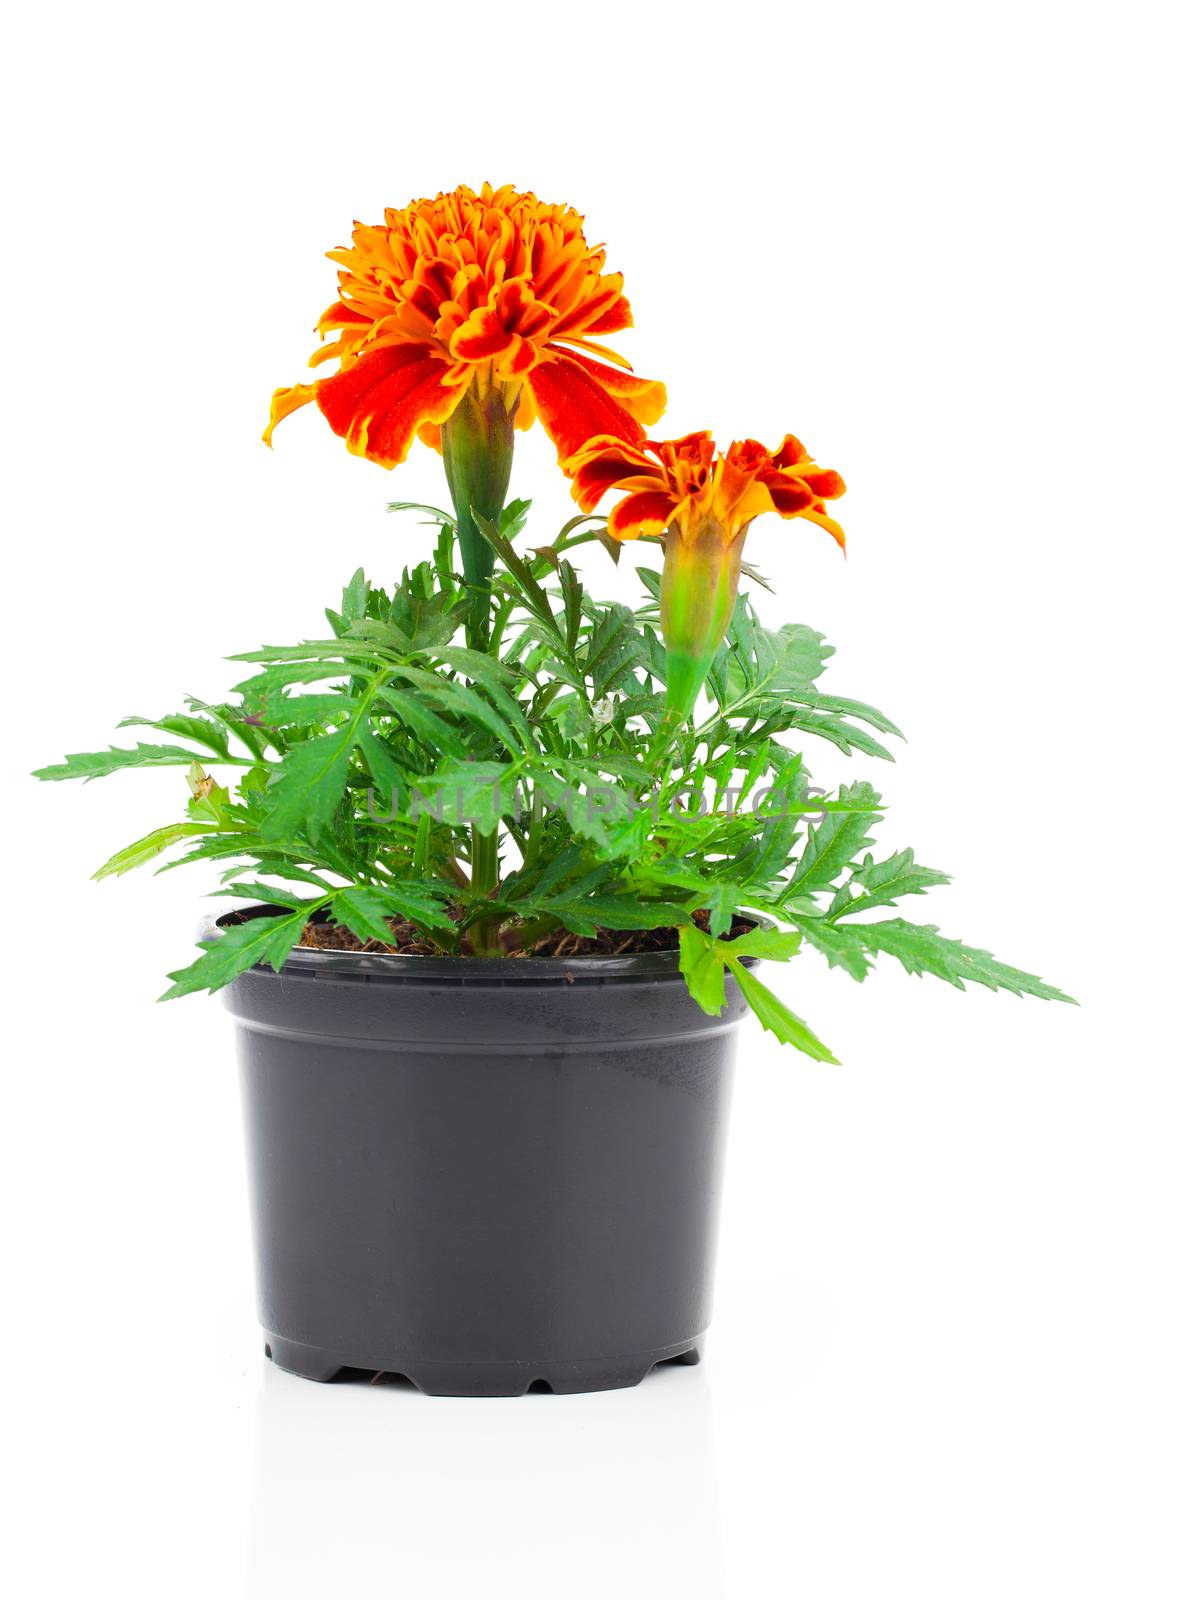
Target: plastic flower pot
[{"x": 485, "y": 1176}]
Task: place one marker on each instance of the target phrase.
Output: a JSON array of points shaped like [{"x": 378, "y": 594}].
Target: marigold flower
[
  {"x": 461, "y": 296},
  {"x": 701, "y": 502}
]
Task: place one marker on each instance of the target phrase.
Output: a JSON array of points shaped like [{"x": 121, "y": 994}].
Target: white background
[{"x": 941, "y": 243}]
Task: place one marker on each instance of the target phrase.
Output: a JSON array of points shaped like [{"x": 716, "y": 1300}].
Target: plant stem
[
  {"x": 477, "y": 443},
  {"x": 484, "y": 880}
]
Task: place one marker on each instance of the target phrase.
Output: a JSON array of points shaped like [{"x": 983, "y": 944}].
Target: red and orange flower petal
[
  {"x": 332, "y": 352},
  {"x": 614, "y": 318},
  {"x": 644, "y": 398},
  {"x": 648, "y": 511},
  {"x": 609, "y": 463},
  {"x": 380, "y": 401},
  {"x": 481, "y": 337},
  {"x": 574, "y": 404},
  {"x": 340, "y": 315},
  {"x": 790, "y": 452},
  {"x": 599, "y": 310},
  {"x": 789, "y": 496},
  {"x": 525, "y": 409},
  {"x": 827, "y": 523},
  {"x": 285, "y": 402},
  {"x": 825, "y": 485}
]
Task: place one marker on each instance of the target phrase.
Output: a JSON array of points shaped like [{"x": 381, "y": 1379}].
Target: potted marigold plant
[{"x": 511, "y": 853}]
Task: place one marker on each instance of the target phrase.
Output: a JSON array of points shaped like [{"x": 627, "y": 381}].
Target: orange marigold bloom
[
  {"x": 683, "y": 482},
  {"x": 702, "y": 502},
  {"x": 466, "y": 294}
]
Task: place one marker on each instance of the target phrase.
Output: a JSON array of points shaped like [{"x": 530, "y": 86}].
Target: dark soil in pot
[{"x": 485, "y": 1176}]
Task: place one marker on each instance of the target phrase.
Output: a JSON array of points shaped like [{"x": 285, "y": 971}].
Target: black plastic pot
[{"x": 483, "y": 1175}]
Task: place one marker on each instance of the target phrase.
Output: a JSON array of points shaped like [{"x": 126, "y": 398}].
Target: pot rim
[{"x": 398, "y": 967}]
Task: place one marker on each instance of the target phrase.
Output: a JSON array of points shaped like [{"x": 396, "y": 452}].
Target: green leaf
[
  {"x": 354, "y": 602},
  {"x": 766, "y": 944},
  {"x": 199, "y": 729},
  {"x": 465, "y": 701},
  {"x": 269, "y": 894},
  {"x": 436, "y": 516},
  {"x": 433, "y": 731},
  {"x": 835, "y": 840},
  {"x": 99, "y": 763},
  {"x": 422, "y": 621},
  {"x": 466, "y": 793},
  {"x": 513, "y": 518},
  {"x": 922, "y": 948},
  {"x": 835, "y": 941},
  {"x": 148, "y": 848},
  {"x": 246, "y": 944},
  {"x": 755, "y": 662},
  {"x": 423, "y": 902},
  {"x": 880, "y": 883},
  {"x": 303, "y": 710},
  {"x": 308, "y": 791},
  {"x": 854, "y": 708},
  {"x": 703, "y": 969},
  {"x": 363, "y": 912},
  {"x": 844, "y": 735},
  {"x": 775, "y": 1016},
  {"x": 586, "y": 915},
  {"x": 388, "y": 777},
  {"x": 614, "y": 649},
  {"x": 721, "y": 901}
]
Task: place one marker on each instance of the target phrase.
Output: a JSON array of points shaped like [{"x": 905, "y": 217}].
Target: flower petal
[
  {"x": 647, "y": 512},
  {"x": 341, "y": 315},
  {"x": 577, "y": 399},
  {"x": 481, "y": 337},
  {"x": 644, "y": 398},
  {"x": 789, "y": 496},
  {"x": 827, "y": 523},
  {"x": 824, "y": 484},
  {"x": 285, "y": 402},
  {"x": 603, "y": 464},
  {"x": 381, "y": 400},
  {"x": 790, "y": 452}
]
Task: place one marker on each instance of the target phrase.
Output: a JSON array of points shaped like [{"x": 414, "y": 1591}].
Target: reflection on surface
[{"x": 364, "y": 1490}]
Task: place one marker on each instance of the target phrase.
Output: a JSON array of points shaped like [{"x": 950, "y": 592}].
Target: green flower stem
[
  {"x": 484, "y": 880},
  {"x": 477, "y": 444}
]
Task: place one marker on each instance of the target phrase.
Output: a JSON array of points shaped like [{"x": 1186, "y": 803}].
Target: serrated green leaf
[
  {"x": 766, "y": 944},
  {"x": 432, "y": 730},
  {"x": 703, "y": 969},
  {"x": 148, "y": 848},
  {"x": 882, "y": 883},
  {"x": 921, "y": 948},
  {"x": 513, "y": 518},
  {"x": 202, "y": 731},
  {"x": 100, "y": 763},
  {"x": 436, "y": 516},
  {"x": 310, "y": 786},
  {"x": 246, "y": 944},
  {"x": 587, "y": 915},
  {"x": 270, "y": 895},
  {"x": 854, "y": 708},
  {"x": 775, "y": 1017},
  {"x": 363, "y": 912},
  {"x": 466, "y": 793},
  {"x": 832, "y": 844},
  {"x": 354, "y": 598},
  {"x": 845, "y": 735},
  {"x": 835, "y": 941}
]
